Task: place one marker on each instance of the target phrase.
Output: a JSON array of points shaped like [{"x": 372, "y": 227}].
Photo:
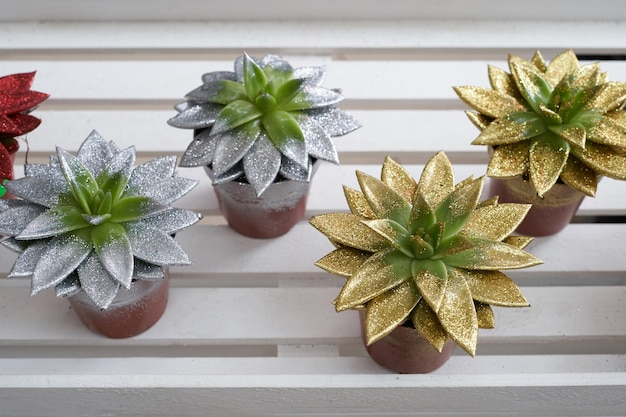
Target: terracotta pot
[
  {"x": 549, "y": 214},
  {"x": 405, "y": 351},
  {"x": 272, "y": 214},
  {"x": 132, "y": 311}
]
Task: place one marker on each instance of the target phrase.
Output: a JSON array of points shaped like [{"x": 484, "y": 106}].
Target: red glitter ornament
[{"x": 16, "y": 101}]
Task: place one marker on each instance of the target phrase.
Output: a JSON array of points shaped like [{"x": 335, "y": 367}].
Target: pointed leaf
[
  {"x": 343, "y": 261},
  {"x": 491, "y": 103},
  {"x": 135, "y": 208},
  {"x": 437, "y": 179},
  {"x": 495, "y": 222},
  {"x": 114, "y": 252},
  {"x": 54, "y": 222},
  {"x": 533, "y": 86},
  {"x": 62, "y": 256},
  {"x": 235, "y": 114},
  {"x": 603, "y": 159},
  {"x": 358, "y": 204},
  {"x": 25, "y": 264},
  {"x": 608, "y": 132},
  {"x": 495, "y": 288},
  {"x": 427, "y": 324},
  {"x": 99, "y": 286},
  {"x": 432, "y": 287},
  {"x": 80, "y": 180},
  {"x": 457, "y": 313},
  {"x": 172, "y": 220},
  {"x": 253, "y": 77},
  {"x": 422, "y": 215},
  {"x": 457, "y": 207},
  {"x": 574, "y": 133},
  {"x": 490, "y": 255},
  {"x": 579, "y": 176},
  {"x": 232, "y": 145},
  {"x": 378, "y": 274},
  {"x": 154, "y": 246},
  {"x": 510, "y": 161},
  {"x": 285, "y": 133},
  {"x": 392, "y": 231},
  {"x": 564, "y": 63},
  {"x": 262, "y": 164},
  {"x": 221, "y": 91},
  {"x": 397, "y": 177},
  {"x": 514, "y": 128},
  {"x": 547, "y": 159},
  {"x": 14, "y": 220},
  {"x": 389, "y": 310},
  {"x": 384, "y": 200}
]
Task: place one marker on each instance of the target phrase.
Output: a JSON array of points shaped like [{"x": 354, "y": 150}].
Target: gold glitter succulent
[
  {"x": 551, "y": 122},
  {"x": 425, "y": 253}
]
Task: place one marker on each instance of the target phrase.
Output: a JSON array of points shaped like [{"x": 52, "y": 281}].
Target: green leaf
[
  {"x": 286, "y": 92},
  {"x": 457, "y": 207},
  {"x": 227, "y": 91},
  {"x": 282, "y": 128},
  {"x": 385, "y": 201},
  {"x": 253, "y": 77},
  {"x": 535, "y": 89},
  {"x": 135, "y": 208},
  {"x": 80, "y": 181},
  {"x": 234, "y": 115},
  {"x": 380, "y": 273},
  {"x": 106, "y": 204}
]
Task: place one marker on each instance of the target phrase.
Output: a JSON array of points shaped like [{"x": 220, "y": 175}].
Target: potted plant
[
  {"x": 17, "y": 100},
  {"x": 99, "y": 231},
  {"x": 552, "y": 130},
  {"x": 259, "y": 131},
  {"x": 422, "y": 262}
]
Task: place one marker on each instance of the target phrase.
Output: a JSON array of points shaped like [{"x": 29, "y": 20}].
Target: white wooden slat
[
  {"x": 323, "y": 395},
  {"x": 324, "y": 9},
  {"x": 167, "y": 80},
  {"x": 406, "y": 131},
  {"x": 293, "y": 315},
  {"x": 459, "y": 36},
  {"x": 326, "y": 192},
  {"x": 217, "y": 252}
]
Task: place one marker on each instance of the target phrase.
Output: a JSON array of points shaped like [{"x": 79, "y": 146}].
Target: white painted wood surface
[{"x": 250, "y": 329}]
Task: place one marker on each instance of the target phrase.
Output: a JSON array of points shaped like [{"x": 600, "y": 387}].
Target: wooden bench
[{"x": 250, "y": 329}]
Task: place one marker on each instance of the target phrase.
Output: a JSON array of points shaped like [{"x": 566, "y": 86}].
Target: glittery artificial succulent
[
  {"x": 264, "y": 121},
  {"x": 425, "y": 253},
  {"x": 551, "y": 122},
  {"x": 94, "y": 222},
  {"x": 17, "y": 100}
]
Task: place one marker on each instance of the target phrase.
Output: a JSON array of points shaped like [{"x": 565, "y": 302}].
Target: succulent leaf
[
  {"x": 457, "y": 313},
  {"x": 428, "y": 326},
  {"x": 381, "y": 272},
  {"x": 390, "y": 309}
]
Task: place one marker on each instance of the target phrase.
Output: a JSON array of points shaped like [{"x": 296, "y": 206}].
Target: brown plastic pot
[
  {"x": 548, "y": 215},
  {"x": 273, "y": 214},
  {"x": 405, "y": 351},
  {"x": 132, "y": 312}
]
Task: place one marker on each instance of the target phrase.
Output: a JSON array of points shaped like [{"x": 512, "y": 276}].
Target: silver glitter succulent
[
  {"x": 94, "y": 222},
  {"x": 264, "y": 121}
]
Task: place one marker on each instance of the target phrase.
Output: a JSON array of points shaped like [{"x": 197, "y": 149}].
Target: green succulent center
[{"x": 561, "y": 115}]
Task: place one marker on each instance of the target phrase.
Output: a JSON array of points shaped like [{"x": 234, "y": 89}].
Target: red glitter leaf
[{"x": 16, "y": 101}]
